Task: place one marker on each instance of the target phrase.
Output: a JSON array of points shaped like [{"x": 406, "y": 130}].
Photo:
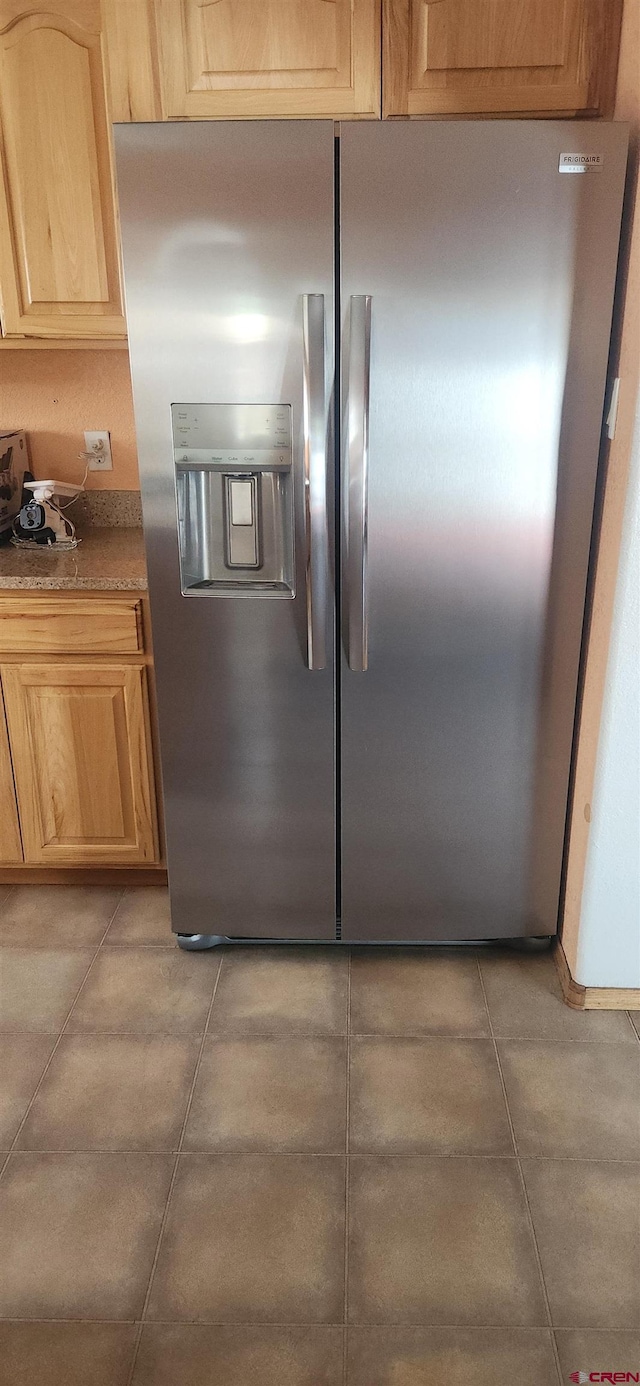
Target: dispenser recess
[{"x": 234, "y": 485}]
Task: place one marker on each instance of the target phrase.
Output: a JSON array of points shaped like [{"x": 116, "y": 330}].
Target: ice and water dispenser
[{"x": 234, "y": 481}]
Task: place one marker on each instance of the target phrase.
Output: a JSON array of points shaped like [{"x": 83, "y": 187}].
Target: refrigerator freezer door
[
  {"x": 491, "y": 279},
  {"x": 228, "y": 236}
]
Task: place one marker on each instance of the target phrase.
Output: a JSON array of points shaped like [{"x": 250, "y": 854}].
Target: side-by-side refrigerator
[{"x": 369, "y": 367}]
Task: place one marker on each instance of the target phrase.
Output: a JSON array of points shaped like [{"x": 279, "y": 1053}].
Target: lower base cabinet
[
  {"x": 80, "y": 755},
  {"x": 10, "y": 841}
]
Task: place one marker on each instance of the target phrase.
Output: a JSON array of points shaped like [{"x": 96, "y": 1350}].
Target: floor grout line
[
  {"x": 9, "y": 946},
  {"x": 139, "y": 947},
  {"x": 523, "y": 1186},
  {"x": 387, "y": 1324},
  {"x": 345, "y": 1310},
  {"x": 291, "y": 1036},
  {"x": 316, "y": 1154},
  {"x": 123, "y": 893},
  {"x": 172, "y": 1181},
  {"x": 56, "y": 1046},
  {"x": 106, "y": 1034}
]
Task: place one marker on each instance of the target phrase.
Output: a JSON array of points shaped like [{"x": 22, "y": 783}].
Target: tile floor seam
[
  {"x": 9, "y": 947},
  {"x": 322, "y": 1154},
  {"x": 5, "y": 893},
  {"x": 125, "y": 1034},
  {"x": 172, "y": 1181},
  {"x": 313, "y": 1034},
  {"x": 345, "y": 1302},
  {"x": 289, "y": 1035},
  {"x": 147, "y": 947},
  {"x": 529, "y": 1215},
  {"x": 215, "y": 1154},
  {"x": 122, "y": 895},
  {"x": 314, "y": 1323},
  {"x": 56, "y": 1046},
  {"x": 565, "y": 1039},
  {"x": 130, "y": 947},
  {"x": 417, "y": 1035}
]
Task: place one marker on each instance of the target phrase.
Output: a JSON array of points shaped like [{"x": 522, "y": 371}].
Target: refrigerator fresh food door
[
  {"x": 478, "y": 265},
  {"x": 228, "y": 242}
]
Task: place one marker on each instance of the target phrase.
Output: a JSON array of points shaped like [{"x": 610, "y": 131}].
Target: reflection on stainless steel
[
  {"x": 314, "y": 426},
  {"x": 472, "y": 422},
  {"x": 492, "y": 280},
  {"x": 225, "y": 228},
  {"x": 356, "y": 450}
]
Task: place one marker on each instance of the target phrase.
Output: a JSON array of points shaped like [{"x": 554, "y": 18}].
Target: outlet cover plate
[{"x": 99, "y": 445}]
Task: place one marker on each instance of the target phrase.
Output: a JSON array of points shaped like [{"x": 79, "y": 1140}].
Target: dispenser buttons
[
  {"x": 243, "y": 512},
  {"x": 241, "y": 502}
]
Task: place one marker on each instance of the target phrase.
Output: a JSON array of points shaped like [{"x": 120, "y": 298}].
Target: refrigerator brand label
[{"x": 580, "y": 163}]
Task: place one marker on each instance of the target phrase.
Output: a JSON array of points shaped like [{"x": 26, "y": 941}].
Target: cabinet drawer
[{"x": 40, "y": 625}]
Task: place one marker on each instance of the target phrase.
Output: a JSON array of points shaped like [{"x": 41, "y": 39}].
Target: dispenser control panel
[{"x": 233, "y": 436}]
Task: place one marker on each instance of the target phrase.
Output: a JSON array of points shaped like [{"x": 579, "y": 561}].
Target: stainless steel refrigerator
[{"x": 369, "y": 367}]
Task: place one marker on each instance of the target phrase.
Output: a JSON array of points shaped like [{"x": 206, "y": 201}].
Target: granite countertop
[{"x": 109, "y": 559}]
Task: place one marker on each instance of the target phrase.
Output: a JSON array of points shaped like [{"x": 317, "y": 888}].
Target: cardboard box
[{"x": 14, "y": 462}]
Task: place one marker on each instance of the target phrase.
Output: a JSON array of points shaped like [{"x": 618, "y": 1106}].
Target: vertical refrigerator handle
[
  {"x": 356, "y": 480},
  {"x": 315, "y": 477}
]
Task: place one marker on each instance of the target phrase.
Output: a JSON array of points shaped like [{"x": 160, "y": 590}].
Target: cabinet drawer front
[{"x": 34, "y": 625}]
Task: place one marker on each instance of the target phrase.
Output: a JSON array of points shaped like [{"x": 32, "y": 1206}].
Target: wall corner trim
[{"x": 581, "y": 998}]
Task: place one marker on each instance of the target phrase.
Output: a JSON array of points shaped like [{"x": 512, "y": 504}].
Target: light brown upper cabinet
[
  {"x": 59, "y": 269},
  {"x": 479, "y": 57},
  {"x": 269, "y": 57},
  {"x": 68, "y": 70}
]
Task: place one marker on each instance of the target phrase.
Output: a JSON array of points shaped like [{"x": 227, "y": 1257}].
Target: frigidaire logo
[
  {"x": 580, "y": 163},
  {"x": 604, "y": 1376}
]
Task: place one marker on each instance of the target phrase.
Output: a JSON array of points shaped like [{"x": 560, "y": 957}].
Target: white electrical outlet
[{"x": 99, "y": 445}]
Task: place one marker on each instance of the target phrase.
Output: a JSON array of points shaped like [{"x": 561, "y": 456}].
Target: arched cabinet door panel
[
  {"x": 466, "y": 57},
  {"x": 269, "y": 57},
  {"x": 59, "y": 268}
]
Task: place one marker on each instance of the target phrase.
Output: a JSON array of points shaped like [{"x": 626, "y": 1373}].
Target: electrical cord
[
  {"x": 82, "y": 456},
  {"x": 71, "y": 541}
]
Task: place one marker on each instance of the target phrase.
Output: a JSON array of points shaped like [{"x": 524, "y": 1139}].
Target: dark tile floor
[{"x": 304, "y": 1168}]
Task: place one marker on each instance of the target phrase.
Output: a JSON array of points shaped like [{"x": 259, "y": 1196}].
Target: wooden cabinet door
[
  {"x": 59, "y": 268},
  {"x": 269, "y": 57},
  {"x": 481, "y": 56},
  {"x": 79, "y": 740},
  {"x": 10, "y": 844}
]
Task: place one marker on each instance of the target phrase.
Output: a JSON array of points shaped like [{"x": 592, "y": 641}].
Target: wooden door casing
[
  {"x": 465, "y": 57},
  {"x": 80, "y": 747},
  {"x": 59, "y": 261},
  {"x": 269, "y": 57}
]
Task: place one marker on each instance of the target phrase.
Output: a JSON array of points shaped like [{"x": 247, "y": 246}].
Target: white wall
[
  {"x": 601, "y": 918},
  {"x": 608, "y": 952}
]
